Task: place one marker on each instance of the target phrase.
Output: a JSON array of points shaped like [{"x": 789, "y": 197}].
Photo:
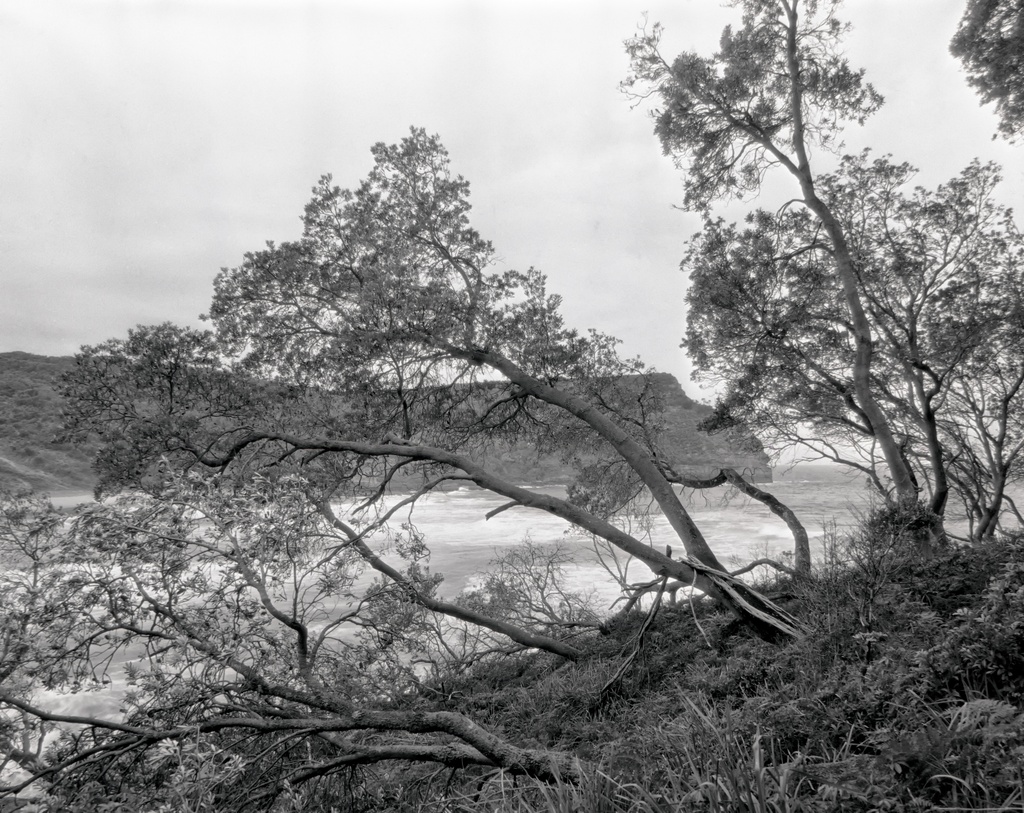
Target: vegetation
[
  {"x": 943, "y": 282},
  {"x": 30, "y": 420},
  {"x": 905, "y": 693},
  {"x": 870, "y": 325},
  {"x": 233, "y": 568},
  {"x": 990, "y": 44},
  {"x": 286, "y": 646}
]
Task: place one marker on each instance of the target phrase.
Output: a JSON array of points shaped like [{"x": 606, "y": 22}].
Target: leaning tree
[
  {"x": 252, "y": 570},
  {"x": 777, "y": 88},
  {"x": 941, "y": 275},
  {"x": 863, "y": 321}
]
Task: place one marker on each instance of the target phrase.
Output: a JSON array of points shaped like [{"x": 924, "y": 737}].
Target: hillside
[
  {"x": 30, "y": 419},
  {"x": 691, "y": 451},
  {"x": 698, "y": 453}
]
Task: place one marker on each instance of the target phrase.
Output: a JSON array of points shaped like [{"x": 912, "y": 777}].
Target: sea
[{"x": 463, "y": 543}]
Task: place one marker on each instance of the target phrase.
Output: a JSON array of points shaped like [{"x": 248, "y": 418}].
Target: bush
[{"x": 982, "y": 653}]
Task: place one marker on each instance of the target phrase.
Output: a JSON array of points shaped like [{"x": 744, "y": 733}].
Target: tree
[
  {"x": 851, "y": 322},
  {"x": 379, "y": 350},
  {"x": 777, "y": 87},
  {"x": 990, "y": 44},
  {"x": 238, "y": 615},
  {"x": 393, "y": 350},
  {"x": 982, "y": 427},
  {"x": 940, "y": 273}
]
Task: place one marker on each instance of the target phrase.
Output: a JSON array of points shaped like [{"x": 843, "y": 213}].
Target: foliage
[
  {"x": 983, "y": 656},
  {"x": 911, "y": 703},
  {"x": 731, "y": 116},
  {"x": 777, "y": 87},
  {"x": 830, "y": 723},
  {"x": 865, "y": 323},
  {"x": 283, "y": 641},
  {"x": 990, "y": 44},
  {"x": 826, "y": 723},
  {"x": 380, "y": 344},
  {"x": 941, "y": 273},
  {"x": 265, "y": 592},
  {"x": 235, "y": 612}
]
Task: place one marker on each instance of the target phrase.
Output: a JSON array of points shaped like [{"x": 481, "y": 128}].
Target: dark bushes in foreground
[{"x": 905, "y": 696}]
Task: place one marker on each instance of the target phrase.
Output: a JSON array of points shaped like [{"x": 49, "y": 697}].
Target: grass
[{"x": 906, "y": 696}]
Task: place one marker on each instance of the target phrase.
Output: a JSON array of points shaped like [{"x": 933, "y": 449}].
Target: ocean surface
[{"x": 463, "y": 543}]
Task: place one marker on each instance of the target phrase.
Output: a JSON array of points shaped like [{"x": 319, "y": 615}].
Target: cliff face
[
  {"x": 30, "y": 419},
  {"x": 699, "y": 454}
]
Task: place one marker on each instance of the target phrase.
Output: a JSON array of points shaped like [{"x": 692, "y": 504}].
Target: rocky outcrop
[{"x": 697, "y": 453}]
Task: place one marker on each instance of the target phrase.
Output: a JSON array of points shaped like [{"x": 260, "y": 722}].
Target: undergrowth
[{"x": 906, "y": 695}]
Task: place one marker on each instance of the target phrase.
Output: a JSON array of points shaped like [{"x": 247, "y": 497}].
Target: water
[{"x": 463, "y": 543}]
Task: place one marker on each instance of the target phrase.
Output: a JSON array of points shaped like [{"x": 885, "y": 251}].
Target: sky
[{"x": 145, "y": 144}]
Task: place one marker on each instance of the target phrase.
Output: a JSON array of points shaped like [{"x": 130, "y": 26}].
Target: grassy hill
[{"x": 30, "y": 420}]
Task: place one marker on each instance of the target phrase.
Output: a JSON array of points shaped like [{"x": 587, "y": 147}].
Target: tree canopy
[
  {"x": 941, "y": 275},
  {"x": 778, "y": 86},
  {"x": 845, "y": 323},
  {"x": 252, "y": 566},
  {"x": 990, "y": 44}
]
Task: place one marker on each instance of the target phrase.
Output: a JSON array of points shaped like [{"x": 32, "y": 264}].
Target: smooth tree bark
[
  {"x": 738, "y": 113},
  {"x": 801, "y": 542}
]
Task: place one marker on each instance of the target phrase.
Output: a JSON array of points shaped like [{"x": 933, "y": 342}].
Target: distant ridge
[
  {"x": 30, "y": 413},
  {"x": 697, "y": 453},
  {"x": 29, "y": 420}
]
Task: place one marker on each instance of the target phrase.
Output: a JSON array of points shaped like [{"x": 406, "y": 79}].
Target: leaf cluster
[
  {"x": 989, "y": 43},
  {"x": 738, "y": 112}
]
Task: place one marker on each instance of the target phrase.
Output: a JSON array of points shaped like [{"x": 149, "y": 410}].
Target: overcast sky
[{"x": 145, "y": 144}]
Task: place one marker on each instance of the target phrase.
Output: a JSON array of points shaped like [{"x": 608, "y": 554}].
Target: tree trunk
[
  {"x": 801, "y": 543},
  {"x": 903, "y": 480},
  {"x": 703, "y": 569}
]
